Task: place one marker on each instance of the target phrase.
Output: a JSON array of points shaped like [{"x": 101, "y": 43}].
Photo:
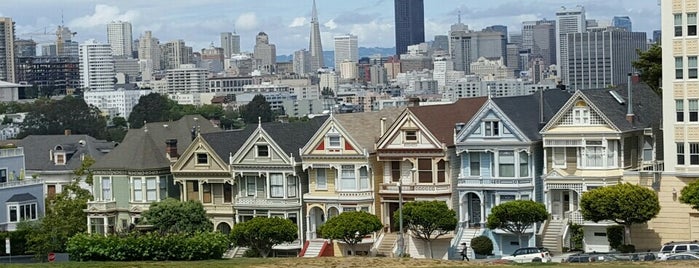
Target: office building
[
  {"x": 52, "y": 75},
  {"x": 467, "y": 46},
  {"x": 96, "y": 66},
  {"x": 544, "y": 42},
  {"x": 441, "y": 43},
  {"x": 212, "y": 59},
  {"x": 25, "y": 48},
  {"x": 186, "y": 79},
  {"x": 149, "y": 49},
  {"x": 623, "y": 22},
  {"x": 265, "y": 53},
  {"x": 409, "y": 24},
  {"x": 315, "y": 46},
  {"x": 346, "y": 49},
  {"x": 174, "y": 54},
  {"x": 7, "y": 50},
  {"x": 120, "y": 39},
  {"x": 567, "y": 21},
  {"x": 230, "y": 42},
  {"x": 302, "y": 62},
  {"x": 65, "y": 45}
]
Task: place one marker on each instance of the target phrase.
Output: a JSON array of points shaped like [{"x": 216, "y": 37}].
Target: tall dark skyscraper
[{"x": 410, "y": 24}]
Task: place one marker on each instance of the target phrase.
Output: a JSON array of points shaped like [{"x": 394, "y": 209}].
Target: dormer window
[
  {"x": 60, "y": 158},
  {"x": 411, "y": 135},
  {"x": 262, "y": 151},
  {"x": 202, "y": 159},
  {"x": 581, "y": 114},
  {"x": 492, "y": 128}
]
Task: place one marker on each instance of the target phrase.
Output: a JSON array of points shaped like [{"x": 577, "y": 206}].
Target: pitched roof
[
  {"x": 441, "y": 119},
  {"x": 144, "y": 148},
  {"x": 525, "y": 110},
  {"x": 289, "y": 136},
  {"x": 37, "y": 148},
  {"x": 647, "y": 106},
  {"x": 365, "y": 128},
  {"x": 21, "y": 198}
]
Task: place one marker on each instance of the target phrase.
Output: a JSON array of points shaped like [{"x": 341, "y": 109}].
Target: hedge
[{"x": 151, "y": 246}]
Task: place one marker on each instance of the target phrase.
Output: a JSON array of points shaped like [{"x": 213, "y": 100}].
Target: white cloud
[
  {"x": 102, "y": 15},
  {"x": 247, "y": 21},
  {"x": 331, "y": 24},
  {"x": 374, "y": 33},
  {"x": 298, "y": 22}
]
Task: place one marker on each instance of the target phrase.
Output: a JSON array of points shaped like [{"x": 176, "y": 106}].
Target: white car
[
  {"x": 529, "y": 255},
  {"x": 677, "y": 247}
]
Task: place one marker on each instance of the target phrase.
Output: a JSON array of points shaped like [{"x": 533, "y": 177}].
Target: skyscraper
[
  {"x": 567, "y": 21},
  {"x": 174, "y": 54},
  {"x": 460, "y": 46},
  {"x": 96, "y": 66},
  {"x": 346, "y": 48},
  {"x": 623, "y": 22},
  {"x": 120, "y": 38},
  {"x": 315, "y": 46},
  {"x": 65, "y": 46},
  {"x": 302, "y": 62},
  {"x": 409, "y": 24},
  {"x": 265, "y": 53},
  {"x": 230, "y": 42},
  {"x": 149, "y": 49},
  {"x": 7, "y": 50}
]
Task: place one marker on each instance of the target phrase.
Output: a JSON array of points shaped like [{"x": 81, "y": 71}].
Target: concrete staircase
[
  {"x": 314, "y": 247},
  {"x": 552, "y": 236},
  {"x": 466, "y": 236},
  {"x": 236, "y": 252},
  {"x": 386, "y": 246}
]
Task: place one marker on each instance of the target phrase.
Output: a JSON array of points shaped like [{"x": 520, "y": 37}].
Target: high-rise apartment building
[
  {"x": 149, "y": 49},
  {"x": 600, "y": 59},
  {"x": 409, "y": 24},
  {"x": 315, "y": 46},
  {"x": 175, "y": 53},
  {"x": 186, "y": 79},
  {"x": 567, "y": 21},
  {"x": 7, "y": 50},
  {"x": 467, "y": 46},
  {"x": 346, "y": 48},
  {"x": 96, "y": 66},
  {"x": 120, "y": 38},
  {"x": 302, "y": 62},
  {"x": 265, "y": 53},
  {"x": 623, "y": 22},
  {"x": 460, "y": 46},
  {"x": 230, "y": 42},
  {"x": 65, "y": 45}
]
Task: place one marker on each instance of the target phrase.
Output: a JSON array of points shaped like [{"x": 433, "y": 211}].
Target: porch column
[
  {"x": 308, "y": 226},
  {"x": 461, "y": 208},
  {"x": 482, "y": 209},
  {"x": 570, "y": 200}
]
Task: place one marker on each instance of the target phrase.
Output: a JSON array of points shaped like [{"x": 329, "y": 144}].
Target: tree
[
  {"x": 649, "y": 64},
  {"x": 119, "y": 121},
  {"x": 174, "y": 216},
  {"x": 50, "y": 117},
  {"x": 65, "y": 216},
  {"x": 154, "y": 108},
  {"x": 428, "y": 220},
  {"x": 351, "y": 227},
  {"x": 623, "y": 203},
  {"x": 516, "y": 216},
  {"x": 261, "y": 233},
  {"x": 690, "y": 195},
  {"x": 327, "y": 92},
  {"x": 257, "y": 109}
]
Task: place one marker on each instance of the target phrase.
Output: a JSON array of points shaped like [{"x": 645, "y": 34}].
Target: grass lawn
[{"x": 339, "y": 262}]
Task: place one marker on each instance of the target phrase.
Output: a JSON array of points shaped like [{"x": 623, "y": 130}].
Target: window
[
  {"x": 593, "y": 154},
  {"x": 137, "y": 190},
  {"x": 424, "y": 170},
  {"x": 506, "y": 162},
  {"x": 321, "y": 179},
  {"x": 363, "y": 178},
  {"x": 250, "y": 185},
  {"x": 600, "y": 234},
  {"x": 151, "y": 188},
  {"x": 395, "y": 170},
  {"x": 492, "y": 128},
  {"x": 227, "y": 192},
  {"x": 523, "y": 164},
  {"x": 60, "y": 159},
  {"x": 679, "y": 68},
  {"x": 559, "y": 156},
  {"x": 334, "y": 141},
  {"x": 679, "y": 110},
  {"x": 291, "y": 186},
  {"x": 411, "y": 135},
  {"x": 506, "y": 198},
  {"x": 347, "y": 179},
  {"x": 276, "y": 182},
  {"x": 22, "y": 212},
  {"x": 694, "y": 153},
  {"x": 3, "y": 175},
  {"x": 206, "y": 193},
  {"x": 691, "y": 24},
  {"x": 262, "y": 151},
  {"x": 581, "y": 115},
  {"x": 202, "y": 159},
  {"x": 441, "y": 171},
  {"x": 106, "y": 189},
  {"x": 97, "y": 226},
  {"x": 475, "y": 163},
  {"x": 164, "y": 181},
  {"x": 678, "y": 24},
  {"x": 680, "y": 153},
  {"x": 611, "y": 153},
  {"x": 693, "y": 110}
]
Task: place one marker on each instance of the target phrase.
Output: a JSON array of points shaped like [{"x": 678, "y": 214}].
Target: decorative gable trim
[
  {"x": 198, "y": 145},
  {"x": 475, "y": 123},
  {"x": 331, "y": 127},
  {"x": 257, "y": 137},
  {"x": 399, "y": 125},
  {"x": 568, "y": 107}
]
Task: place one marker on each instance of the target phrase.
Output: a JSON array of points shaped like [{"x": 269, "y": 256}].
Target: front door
[
  {"x": 474, "y": 210},
  {"x": 566, "y": 202},
  {"x": 392, "y": 208}
]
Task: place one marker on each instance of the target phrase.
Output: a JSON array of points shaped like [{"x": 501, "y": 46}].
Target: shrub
[
  {"x": 251, "y": 253},
  {"x": 576, "y": 236},
  {"x": 151, "y": 246},
  {"x": 615, "y": 236},
  {"x": 627, "y": 248},
  {"x": 482, "y": 245}
]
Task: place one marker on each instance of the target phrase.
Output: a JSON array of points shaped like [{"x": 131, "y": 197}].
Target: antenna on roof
[
  {"x": 259, "y": 121},
  {"x": 459, "y": 16}
]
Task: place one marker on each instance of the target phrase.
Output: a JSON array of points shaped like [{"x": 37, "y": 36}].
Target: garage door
[{"x": 694, "y": 226}]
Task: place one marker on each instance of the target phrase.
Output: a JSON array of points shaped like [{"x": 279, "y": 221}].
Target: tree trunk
[
  {"x": 264, "y": 253},
  {"x": 627, "y": 234},
  {"x": 429, "y": 248},
  {"x": 351, "y": 248},
  {"x": 521, "y": 244}
]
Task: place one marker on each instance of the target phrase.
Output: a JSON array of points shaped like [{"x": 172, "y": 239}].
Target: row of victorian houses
[{"x": 473, "y": 154}]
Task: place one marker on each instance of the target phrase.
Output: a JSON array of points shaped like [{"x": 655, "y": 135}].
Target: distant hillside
[{"x": 329, "y": 56}]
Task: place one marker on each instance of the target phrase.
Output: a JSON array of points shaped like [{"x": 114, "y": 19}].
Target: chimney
[
  {"x": 413, "y": 102},
  {"x": 383, "y": 125},
  {"x": 635, "y": 78},
  {"x": 629, "y": 102},
  {"x": 67, "y": 132},
  {"x": 171, "y": 149}
]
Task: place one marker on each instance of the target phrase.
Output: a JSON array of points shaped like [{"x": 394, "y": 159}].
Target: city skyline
[{"x": 288, "y": 22}]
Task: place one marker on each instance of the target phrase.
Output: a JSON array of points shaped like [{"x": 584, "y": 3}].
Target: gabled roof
[
  {"x": 647, "y": 106},
  {"x": 365, "y": 128},
  {"x": 441, "y": 119},
  {"x": 289, "y": 136},
  {"x": 37, "y": 148},
  {"x": 525, "y": 110},
  {"x": 144, "y": 148}
]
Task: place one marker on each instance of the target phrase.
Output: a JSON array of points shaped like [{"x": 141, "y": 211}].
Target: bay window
[
  {"x": 611, "y": 153},
  {"x": 22, "y": 212},
  {"x": 291, "y": 186},
  {"x": 250, "y": 185},
  {"x": 523, "y": 164},
  {"x": 475, "y": 163},
  {"x": 106, "y": 184},
  {"x": 363, "y": 178},
  {"x": 347, "y": 178},
  {"x": 424, "y": 170},
  {"x": 441, "y": 171},
  {"x": 137, "y": 190},
  {"x": 593, "y": 154},
  {"x": 321, "y": 179},
  {"x": 276, "y": 182},
  {"x": 559, "y": 156},
  {"x": 151, "y": 189},
  {"x": 506, "y": 164}
]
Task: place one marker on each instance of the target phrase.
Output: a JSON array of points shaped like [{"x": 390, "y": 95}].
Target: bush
[
  {"x": 151, "y": 246},
  {"x": 615, "y": 236},
  {"x": 576, "y": 236},
  {"x": 251, "y": 253},
  {"x": 482, "y": 245},
  {"x": 627, "y": 248}
]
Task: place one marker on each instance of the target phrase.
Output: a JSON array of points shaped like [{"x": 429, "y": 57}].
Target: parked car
[
  {"x": 677, "y": 247},
  {"x": 530, "y": 254},
  {"x": 682, "y": 256},
  {"x": 584, "y": 257}
]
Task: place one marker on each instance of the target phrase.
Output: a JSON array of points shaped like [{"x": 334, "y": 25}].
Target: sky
[{"x": 287, "y": 22}]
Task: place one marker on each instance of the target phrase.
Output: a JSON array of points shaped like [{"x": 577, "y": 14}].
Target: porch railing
[
  {"x": 416, "y": 187},
  {"x": 574, "y": 216},
  {"x": 495, "y": 181}
]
